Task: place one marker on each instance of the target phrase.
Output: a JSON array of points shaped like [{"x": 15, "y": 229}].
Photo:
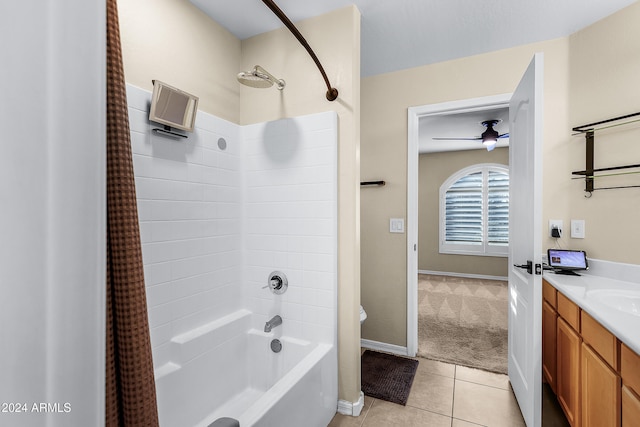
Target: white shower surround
[{"x": 213, "y": 225}]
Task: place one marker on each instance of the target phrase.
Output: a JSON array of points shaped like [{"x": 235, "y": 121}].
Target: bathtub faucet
[{"x": 275, "y": 321}]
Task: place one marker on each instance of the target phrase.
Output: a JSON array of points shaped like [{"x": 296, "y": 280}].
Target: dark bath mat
[{"x": 387, "y": 377}]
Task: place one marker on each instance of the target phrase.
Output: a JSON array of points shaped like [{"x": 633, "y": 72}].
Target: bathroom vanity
[{"x": 591, "y": 347}]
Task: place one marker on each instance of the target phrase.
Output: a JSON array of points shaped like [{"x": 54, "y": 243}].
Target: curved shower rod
[{"x": 332, "y": 92}]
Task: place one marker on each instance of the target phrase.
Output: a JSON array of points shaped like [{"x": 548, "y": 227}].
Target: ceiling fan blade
[
  {"x": 458, "y": 139},
  {"x": 504, "y": 135}
]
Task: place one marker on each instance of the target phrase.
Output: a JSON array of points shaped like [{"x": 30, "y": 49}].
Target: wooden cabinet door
[
  {"x": 549, "y": 325},
  {"x": 600, "y": 391},
  {"x": 568, "y": 371},
  {"x": 630, "y": 408}
]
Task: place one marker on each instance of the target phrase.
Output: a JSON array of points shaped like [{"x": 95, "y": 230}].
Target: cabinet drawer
[
  {"x": 600, "y": 339},
  {"x": 569, "y": 311},
  {"x": 549, "y": 294},
  {"x": 630, "y": 368}
]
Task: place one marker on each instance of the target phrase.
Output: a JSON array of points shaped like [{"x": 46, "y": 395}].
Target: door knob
[{"x": 528, "y": 266}]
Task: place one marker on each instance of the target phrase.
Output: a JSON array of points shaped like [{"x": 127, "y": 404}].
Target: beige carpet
[{"x": 463, "y": 321}]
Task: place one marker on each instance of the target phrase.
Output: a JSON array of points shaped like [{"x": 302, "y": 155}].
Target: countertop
[{"x": 625, "y": 326}]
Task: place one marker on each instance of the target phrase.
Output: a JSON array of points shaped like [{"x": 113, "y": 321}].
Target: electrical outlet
[
  {"x": 555, "y": 223},
  {"x": 577, "y": 228}
]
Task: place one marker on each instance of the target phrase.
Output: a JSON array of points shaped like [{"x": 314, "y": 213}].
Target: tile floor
[{"x": 444, "y": 395}]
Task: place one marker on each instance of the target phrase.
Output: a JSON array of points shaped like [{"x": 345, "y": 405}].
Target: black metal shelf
[{"x": 589, "y": 173}]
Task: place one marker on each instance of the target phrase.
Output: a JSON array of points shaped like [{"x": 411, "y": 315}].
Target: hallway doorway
[
  {"x": 435, "y": 113},
  {"x": 463, "y": 321}
]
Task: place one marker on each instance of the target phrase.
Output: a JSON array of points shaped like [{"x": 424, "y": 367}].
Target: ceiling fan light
[{"x": 490, "y": 136}]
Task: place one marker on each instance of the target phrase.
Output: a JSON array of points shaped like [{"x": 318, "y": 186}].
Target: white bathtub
[{"x": 227, "y": 369}]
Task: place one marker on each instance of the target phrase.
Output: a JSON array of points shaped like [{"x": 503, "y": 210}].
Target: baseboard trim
[
  {"x": 384, "y": 347},
  {"x": 351, "y": 408},
  {"x": 469, "y": 276}
]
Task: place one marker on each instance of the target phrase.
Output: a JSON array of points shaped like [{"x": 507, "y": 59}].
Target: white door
[{"x": 525, "y": 242}]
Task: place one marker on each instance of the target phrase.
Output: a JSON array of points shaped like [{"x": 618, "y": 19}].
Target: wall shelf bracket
[
  {"x": 372, "y": 183},
  {"x": 589, "y": 173}
]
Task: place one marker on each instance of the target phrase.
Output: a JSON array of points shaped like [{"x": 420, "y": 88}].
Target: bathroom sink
[{"x": 625, "y": 300}]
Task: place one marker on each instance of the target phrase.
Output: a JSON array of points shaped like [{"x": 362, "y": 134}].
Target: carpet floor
[{"x": 463, "y": 321}]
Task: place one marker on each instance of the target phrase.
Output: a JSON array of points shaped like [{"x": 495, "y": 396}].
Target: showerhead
[
  {"x": 254, "y": 80},
  {"x": 259, "y": 78}
]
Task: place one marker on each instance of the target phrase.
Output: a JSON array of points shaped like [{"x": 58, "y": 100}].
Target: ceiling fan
[{"x": 489, "y": 137}]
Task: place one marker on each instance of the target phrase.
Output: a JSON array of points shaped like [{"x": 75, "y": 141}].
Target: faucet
[{"x": 275, "y": 321}]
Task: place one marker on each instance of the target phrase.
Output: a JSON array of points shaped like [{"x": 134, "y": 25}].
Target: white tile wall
[
  {"x": 290, "y": 216},
  {"x": 189, "y": 205},
  {"x": 215, "y": 223}
]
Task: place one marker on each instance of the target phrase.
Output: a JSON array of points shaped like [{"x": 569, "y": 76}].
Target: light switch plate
[
  {"x": 577, "y": 228},
  {"x": 396, "y": 225}
]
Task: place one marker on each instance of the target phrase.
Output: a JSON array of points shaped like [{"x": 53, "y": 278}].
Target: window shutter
[
  {"x": 474, "y": 211},
  {"x": 463, "y": 210},
  {"x": 498, "y": 208}
]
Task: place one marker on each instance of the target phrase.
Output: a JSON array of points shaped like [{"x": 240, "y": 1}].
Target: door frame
[{"x": 413, "y": 115}]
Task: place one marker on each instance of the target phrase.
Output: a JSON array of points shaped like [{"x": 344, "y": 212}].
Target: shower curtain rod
[{"x": 332, "y": 93}]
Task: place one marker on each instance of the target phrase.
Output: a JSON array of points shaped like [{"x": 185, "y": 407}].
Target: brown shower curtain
[{"x": 130, "y": 387}]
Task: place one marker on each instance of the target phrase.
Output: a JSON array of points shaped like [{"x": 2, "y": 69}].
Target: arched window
[{"x": 474, "y": 211}]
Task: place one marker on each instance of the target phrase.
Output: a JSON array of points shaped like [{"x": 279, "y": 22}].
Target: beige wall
[
  {"x": 194, "y": 53},
  {"x": 385, "y": 99},
  {"x": 605, "y": 83},
  {"x": 335, "y": 38},
  {"x": 433, "y": 170},
  {"x": 175, "y": 42}
]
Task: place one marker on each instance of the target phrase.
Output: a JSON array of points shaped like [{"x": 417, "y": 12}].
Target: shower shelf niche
[{"x": 589, "y": 174}]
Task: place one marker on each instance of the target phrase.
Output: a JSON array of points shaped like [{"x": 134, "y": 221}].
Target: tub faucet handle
[{"x": 277, "y": 282}]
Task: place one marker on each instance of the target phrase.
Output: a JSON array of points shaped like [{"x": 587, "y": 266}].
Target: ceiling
[{"x": 402, "y": 34}]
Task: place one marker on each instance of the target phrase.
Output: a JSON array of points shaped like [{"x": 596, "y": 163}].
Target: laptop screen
[{"x": 567, "y": 259}]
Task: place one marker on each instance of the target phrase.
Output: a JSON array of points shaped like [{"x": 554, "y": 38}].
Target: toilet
[{"x": 363, "y": 315}]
